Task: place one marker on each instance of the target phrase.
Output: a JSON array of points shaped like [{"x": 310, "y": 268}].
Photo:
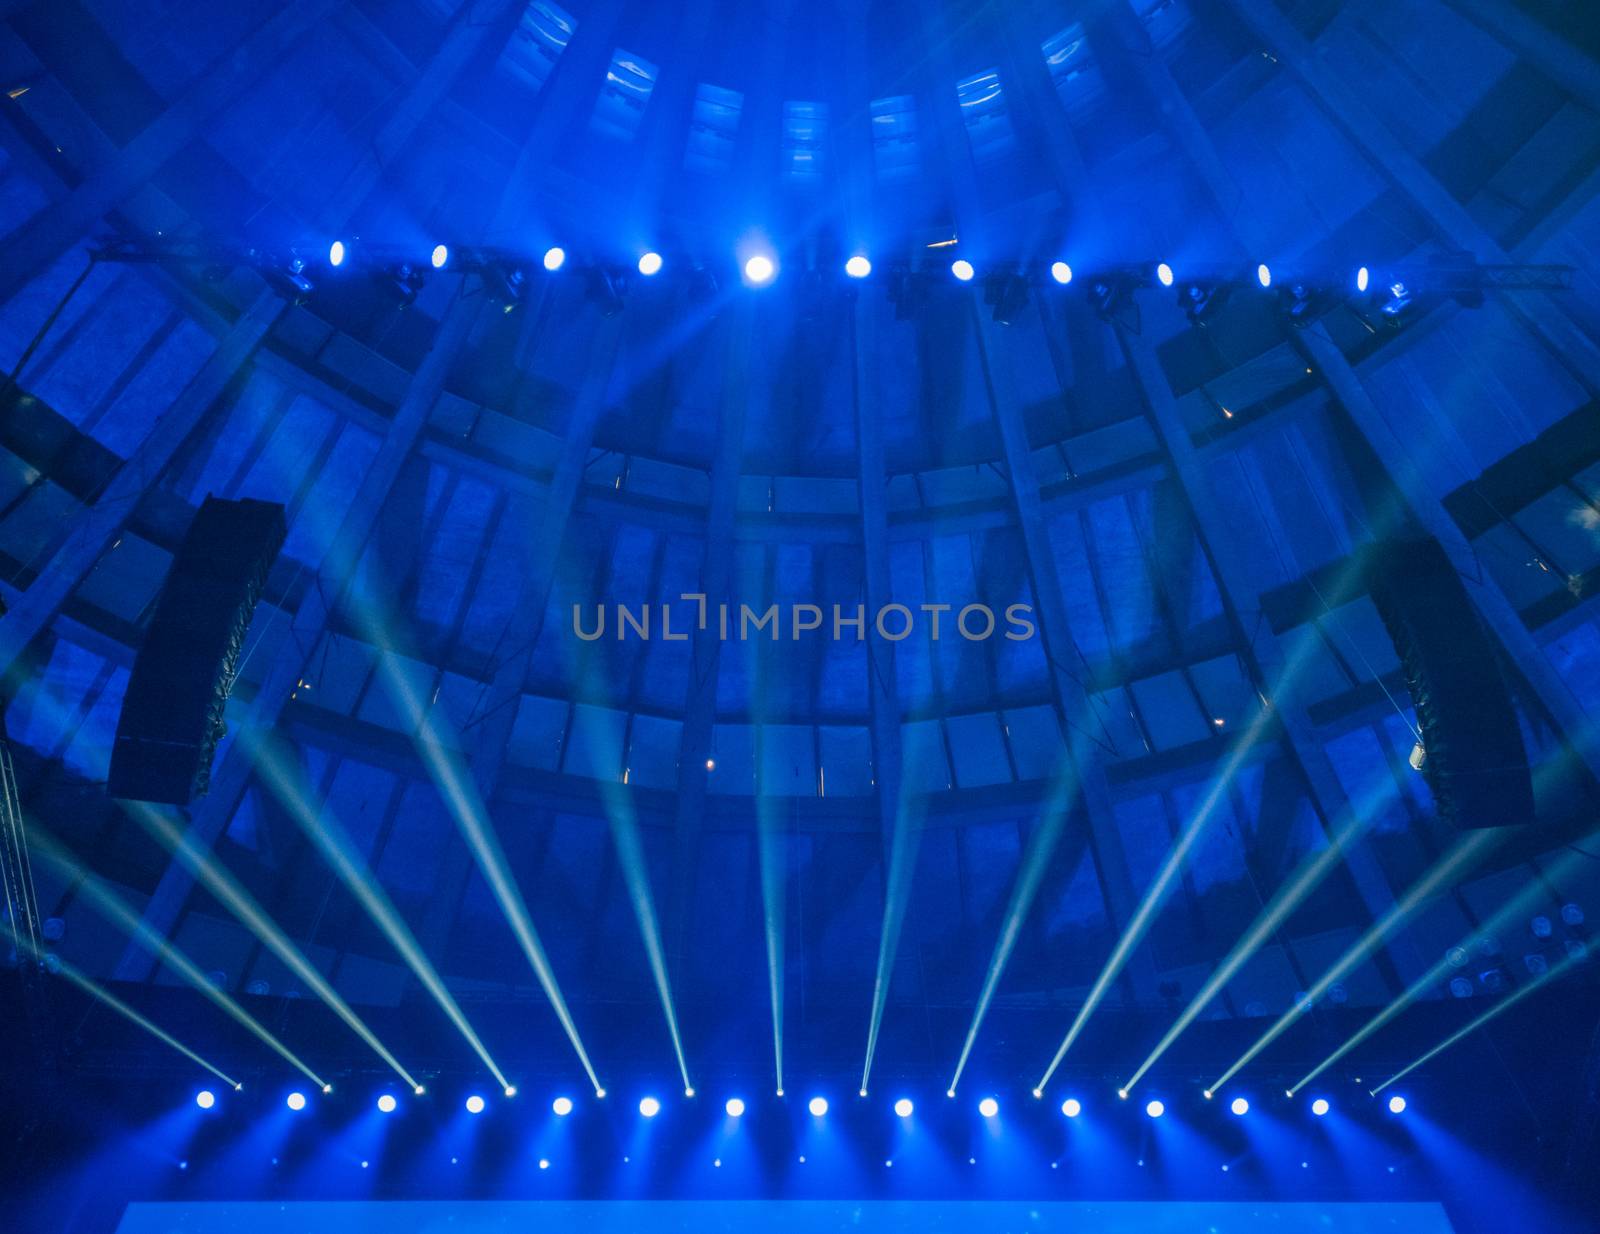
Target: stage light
[
  {"x": 555, "y": 258},
  {"x": 759, "y": 269},
  {"x": 511, "y": 1090},
  {"x": 1155, "y": 1109},
  {"x": 650, "y": 264},
  {"x": 1061, "y": 272},
  {"x": 205, "y": 1099},
  {"x": 1240, "y": 1106},
  {"x": 962, "y": 269},
  {"x": 600, "y": 1093},
  {"x": 419, "y": 1090},
  {"x": 734, "y": 1107},
  {"x": 1264, "y": 275},
  {"x": 818, "y": 1106},
  {"x": 441, "y": 254},
  {"x": 688, "y": 1092},
  {"x": 1363, "y": 278},
  {"x": 1072, "y": 1107},
  {"x": 988, "y": 1107},
  {"x": 858, "y": 267},
  {"x": 1397, "y": 1104},
  {"x": 649, "y": 1107},
  {"x": 562, "y": 1106},
  {"x": 1320, "y": 1106},
  {"x": 387, "y": 1104},
  {"x": 475, "y": 1104},
  {"x": 326, "y": 1089},
  {"x": 1164, "y": 274},
  {"x": 903, "y": 1107},
  {"x": 336, "y": 253},
  {"x": 544, "y": 1163},
  {"x": 296, "y": 1101}
]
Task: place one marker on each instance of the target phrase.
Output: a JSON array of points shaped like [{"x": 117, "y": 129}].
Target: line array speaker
[{"x": 172, "y": 714}]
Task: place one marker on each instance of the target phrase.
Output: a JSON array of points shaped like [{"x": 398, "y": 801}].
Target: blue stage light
[
  {"x": 734, "y": 1107},
  {"x": 1397, "y": 1104},
  {"x": 562, "y": 1106},
  {"x": 1363, "y": 279},
  {"x": 296, "y": 1101},
  {"x": 1320, "y": 1106},
  {"x": 1264, "y": 275},
  {"x": 1155, "y": 1109},
  {"x": 760, "y": 269},
  {"x": 544, "y": 1163},
  {"x": 475, "y": 1104},
  {"x": 650, "y": 264},
  {"x": 387, "y": 1103},
  {"x": 1061, "y": 272},
  {"x": 858, "y": 267},
  {"x": 1164, "y": 273},
  {"x": 441, "y": 254},
  {"x": 649, "y": 1107},
  {"x": 988, "y": 1107},
  {"x": 903, "y": 1107},
  {"x": 555, "y": 258},
  {"x": 962, "y": 269},
  {"x": 205, "y": 1099},
  {"x": 1072, "y": 1107},
  {"x": 1240, "y": 1106},
  {"x": 818, "y": 1106},
  {"x": 336, "y": 253}
]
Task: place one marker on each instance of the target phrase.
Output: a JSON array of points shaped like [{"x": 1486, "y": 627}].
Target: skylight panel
[
  {"x": 894, "y": 138},
  {"x": 713, "y": 127},
  {"x": 805, "y": 131},
  {"x": 620, "y": 107},
  {"x": 983, "y": 111}
]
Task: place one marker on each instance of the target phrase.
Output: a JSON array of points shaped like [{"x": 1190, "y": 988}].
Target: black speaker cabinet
[{"x": 172, "y": 714}]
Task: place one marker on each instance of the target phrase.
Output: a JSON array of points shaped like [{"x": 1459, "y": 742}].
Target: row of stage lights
[
  {"x": 734, "y": 1107},
  {"x": 762, "y": 268}
]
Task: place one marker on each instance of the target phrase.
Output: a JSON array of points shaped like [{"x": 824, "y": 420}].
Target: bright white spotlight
[
  {"x": 734, "y": 1107},
  {"x": 1155, "y": 1109},
  {"x": 759, "y": 269},
  {"x": 1240, "y": 1106},
  {"x": 336, "y": 253},
  {"x": 511, "y": 1090},
  {"x": 1061, "y": 272},
  {"x": 988, "y": 1107},
  {"x": 1363, "y": 278},
  {"x": 649, "y": 1107},
  {"x": 903, "y": 1107},
  {"x": 1264, "y": 275},
  {"x": 1319, "y": 1107},
  {"x": 1397, "y": 1104},
  {"x": 1072, "y": 1107},
  {"x": 1164, "y": 273},
  {"x": 419, "y": 1090},
  {"x": 475, "y": 1104},
  {"x": 441, "y": 254},
  {"x": 544, "y": 1163},
  {"x": 962, "y": 269},
  {"x": 387, "y": 1104},
  {"x": 650, "y": 264},
  {"x": 296, "y": 1101},
  {"x": 555, "y": 258},
  {"x": 562, "y": 1106},
  {"x": 858, "y": 267},
  {"x": 818, "y": 1106},
  {"x": 205, "y": 1099},
  {"x": 688, "y": 1092}
]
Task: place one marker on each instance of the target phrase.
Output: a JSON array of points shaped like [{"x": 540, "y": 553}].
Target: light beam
[
  {"x": 242, "y": 905},
  {"x": 1460, "y": 859}
]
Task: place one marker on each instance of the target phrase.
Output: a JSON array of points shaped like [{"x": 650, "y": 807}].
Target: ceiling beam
[
  {"x": 1348, "y": 110},
  {"x": 32, "y": 247},
  {"x": 1574, "y": 70},
  {"x": 570, "y": 87}
]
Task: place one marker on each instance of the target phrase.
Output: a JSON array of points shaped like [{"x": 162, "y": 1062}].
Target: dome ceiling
[{"x": 1177, "y": 505}]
